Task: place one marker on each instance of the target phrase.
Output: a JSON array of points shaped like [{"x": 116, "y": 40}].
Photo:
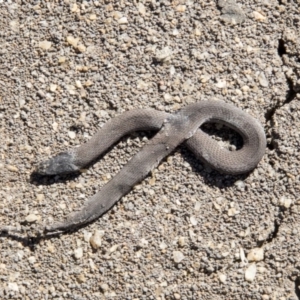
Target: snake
[{"x": 181, "y": 127}]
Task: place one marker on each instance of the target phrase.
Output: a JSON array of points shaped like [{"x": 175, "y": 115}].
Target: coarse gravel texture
[{"x": 186, "y": 231}]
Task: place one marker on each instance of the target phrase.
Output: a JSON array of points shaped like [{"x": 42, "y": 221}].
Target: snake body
[{"x": 173, "y": 129}]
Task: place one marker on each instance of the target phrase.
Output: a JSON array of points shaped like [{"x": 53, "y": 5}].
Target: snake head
[{"x": 59, "y": 164}]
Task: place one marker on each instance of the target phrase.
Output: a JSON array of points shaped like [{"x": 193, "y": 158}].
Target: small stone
[
  {"x": 232, "y": 212},
  {"x": 163, "y": 55},
  {"x": 162, "y": 245},
  {"x": 12, "y": 286},
  {"x": 178, "y": 256},
  {"x": 72, "y": 135},
  {"x": 78, "y": 253},
  {"x": 197, "y": 206},
  {"x": 78, "y": 84},
  {"x": 53, "y": 87},
  {"x": 143, "y": 243},
  {"x": 256, "y": 254},
  {"x": 240, "y": 185},
  {"x": 177, "y": 296},
  {"x": 81, "y": 48},
  {"x": 193, "y": 221},
  {"x": 32, "y": 259},
  {"x": 113, "y": 248},
  {"x": 168, "y": 98},
  {"x": 31, "y": 218},
  {"x": 81, "y": 278},
  {"x": 55, "y": 126},
  {"x": 40, "y": 197},
  {"x": 263, "y": 80},
  {"x": 75, "y": 8},
  {"x": 123, "y": 20},
  {"x": 181, "y": 8},
  {"x": 93, "y": 17},
  {"x": 72, "y": 41},
  {"x": 104, "y": 287},
  {"x": 250, "y": 272},
  {"x": 259, "y": 17},
  {"x": 12, "y": 168},
  {"x": 62, "y": 59},
  {"x": 182, "y": 241},
  {"x": 50, "y": 247},
  {"x": 221, "y": 84},
  {"x": 222, "y": 278},
  {"x": 45, "y": 45},
  {"x": 96, "y": 239},
  {"x": 88, "y": 83},
  {"x": 141, "y": 9},
  {"x": 285, "y": 202}
]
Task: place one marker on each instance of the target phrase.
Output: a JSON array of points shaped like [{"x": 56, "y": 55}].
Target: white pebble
[
  {"x": 78, "y": 253},
  {"x": 178, "y": 256},
  {"x": 240, "y": 185},
  {"x": 141, "y": 8},
  {"x": 96, "y": 239},
  {"x": 72, "y": 135},
  {"x": 12, "y": 286},
  {"x": 221, "y": 84},
  {"x": 285, "y": 202},
  {"x": 256, "y": 254},
  {"x": 123, "y": 20},
  {"x": 193, "y": 221},
  {"x": 31, "y": 218},
  {"x": 45, "y": 45},
  {"x": 258, "y": 16},
  {"x": 12, "y": 168},
  {"x": 250, "y": 272},
  {"x": 263, "y": 80},
  {"x": 72, "y": 41},
  {"x": 32, "y": 259},
  {"x": 164, "y": 55},
  {"x": 222, "y": 278}
]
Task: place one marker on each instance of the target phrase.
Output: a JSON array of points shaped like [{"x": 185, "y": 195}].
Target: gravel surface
[{"x": 186, "y": 231}]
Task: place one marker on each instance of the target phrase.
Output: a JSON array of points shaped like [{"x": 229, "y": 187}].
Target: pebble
[
  {"x": 193, "y": 221},
  {"x": 53, "y": 87},
  {"x": 141, "y": 8},
  {"x": 32, "y": 259},
  {"x": 221, "y": 84},
  {"x": 81, "y": 278},
  {"x": 163, "y": 55},
  {"x": 72, "y": 41},
  {"x": 78, "y": 253},
  {"x": 250, "y": 272},
  {"x": 45, "y": 45},
  {"x": 182, "y": 241},
  {"x": 40, "y": 197},
  {"x": 123, "y": 20},
  {"x": 256, "y": 254},
  {"x": 285, "y": 202},
  {"x": 240, "y": 185},
  {"x": 72, "y": 135},
  {"x": 222, "y": 277},
  {"x": 31, "y": 218},
  {"x": 259, "y": 17},
  {"x": 181, "y": 8},
  {"x": 12, "y": 286},
  {"x": 104, "y": 287},
  {"x": 96, "y": 239},
  {"x": 12, "y": 168},
  {"x": 178, "y": 256},
  {"x": 262, "y": 79}
]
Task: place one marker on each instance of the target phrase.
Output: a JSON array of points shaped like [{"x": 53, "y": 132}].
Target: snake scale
[{"x": 172, "y": 130}]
